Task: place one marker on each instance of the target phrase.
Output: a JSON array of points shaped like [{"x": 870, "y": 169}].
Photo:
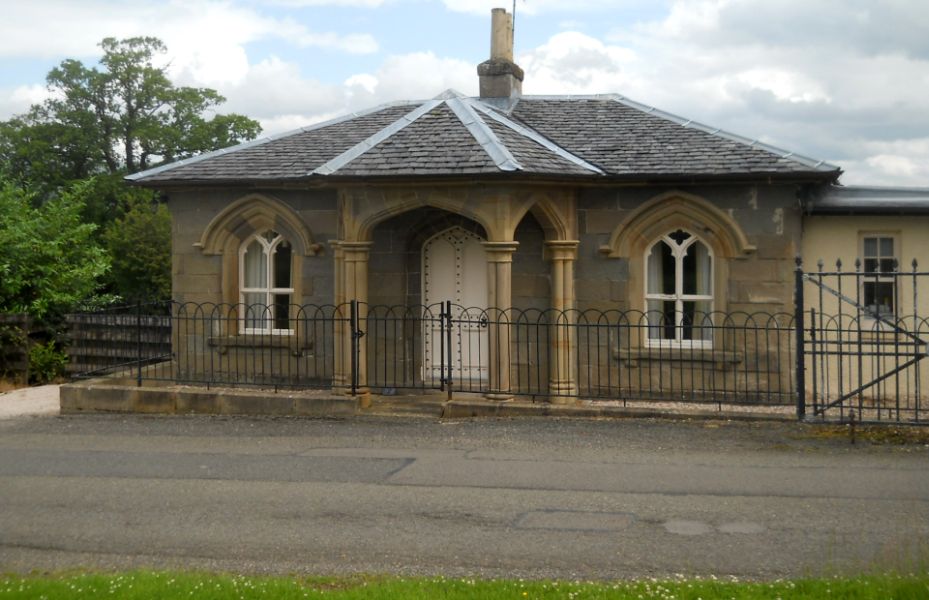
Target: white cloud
[
  {"x": 575, "y": 63},
  {"x": 354, "y": 3},
  {"x": 827, "y": 79},
  {"x": 207, "y": 45},
  {"x": 274, "y": 88},
  {"x": 198, "y": 34},
  {"x": 353, "y": 43},
  {"x": 411, "y": 76},
  {"x": 17, "y": 100},
  {"x": 899, "y": 162},
  {"x": 362, "y": 82},
  {"x": 536, "y": 7},
  {"x": 277, "y": 94},
  {"x": 285, "y": 123}
]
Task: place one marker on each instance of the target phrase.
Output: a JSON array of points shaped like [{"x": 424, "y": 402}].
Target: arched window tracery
[
  {"x": 679, "y": 290},
  {"x": 266, "y": 283}
]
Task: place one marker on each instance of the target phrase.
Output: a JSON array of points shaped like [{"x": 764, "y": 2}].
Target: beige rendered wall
[
  {"x": 832, "y": 237},
  {"x": 896, "y": 392}
]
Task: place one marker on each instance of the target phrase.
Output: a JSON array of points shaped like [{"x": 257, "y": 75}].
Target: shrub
[{"x": 46, "y": 363}]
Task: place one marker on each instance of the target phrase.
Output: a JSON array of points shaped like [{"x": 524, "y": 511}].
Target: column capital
[
  {"x": 355, "y": 250},
  {"x": 500, "y": 251},
  {"x": 561, "y": 249}
]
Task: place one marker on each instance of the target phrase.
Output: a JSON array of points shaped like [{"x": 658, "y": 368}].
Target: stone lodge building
[{"x": 568, "y": 203}]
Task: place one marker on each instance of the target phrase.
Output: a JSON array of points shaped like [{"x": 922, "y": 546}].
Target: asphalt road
[{"x": 524, "y": 498}]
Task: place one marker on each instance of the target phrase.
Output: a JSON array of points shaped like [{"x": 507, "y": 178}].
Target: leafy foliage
[
  {"x": 49, "y": 259},
  {"x": 125, "y": 116},
  {"x": 139, "y": 243},
  {"x": 46, "y": 362},
  {"x": 100, "y": 122}
]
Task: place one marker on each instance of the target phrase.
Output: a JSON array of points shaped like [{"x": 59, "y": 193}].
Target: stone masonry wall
[
  {"x": 197, "y": 277},
  {"x": 761, "y": 281}
]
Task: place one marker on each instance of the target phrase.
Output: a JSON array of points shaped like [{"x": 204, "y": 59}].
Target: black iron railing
[
  {"x": 865, "y": 340},
  {"x": 853, "y": 349},
  {"x": 610, "y": 355}
]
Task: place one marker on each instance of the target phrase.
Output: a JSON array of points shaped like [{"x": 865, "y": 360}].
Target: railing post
[
  {"x": 138, "y": 342},
  {"x": 798, "y": 328},
  {"x": 353, "y": 325},
  {"x": 441, "y": 343},
  {"x": 448, "y": 344}
]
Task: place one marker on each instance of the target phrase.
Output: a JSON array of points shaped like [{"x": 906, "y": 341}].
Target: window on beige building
[{"x": 879, "y": 261}]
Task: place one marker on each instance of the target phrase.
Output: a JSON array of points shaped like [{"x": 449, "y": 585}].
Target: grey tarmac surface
[{"x": 491, "y": 498}]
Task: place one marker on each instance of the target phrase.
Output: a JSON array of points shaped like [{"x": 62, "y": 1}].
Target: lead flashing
[
  {"x": 363, "y": 146},
  {"x": 534, "y": 136},
  {"x": 485, "y": 137}
]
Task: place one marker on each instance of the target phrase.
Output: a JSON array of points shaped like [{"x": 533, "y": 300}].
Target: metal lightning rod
[{"x": 513, "y": 27}]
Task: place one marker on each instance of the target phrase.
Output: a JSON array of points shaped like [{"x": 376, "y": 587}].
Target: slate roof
[{"x": 562, "y": 137}]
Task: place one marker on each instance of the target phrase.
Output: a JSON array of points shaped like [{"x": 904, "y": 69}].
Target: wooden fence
[
  {"x": 14, "y": 346},
  {"x": 107, "y": 341}
]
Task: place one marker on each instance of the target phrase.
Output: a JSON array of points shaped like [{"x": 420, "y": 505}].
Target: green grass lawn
[{"x": 157, "y": 585}]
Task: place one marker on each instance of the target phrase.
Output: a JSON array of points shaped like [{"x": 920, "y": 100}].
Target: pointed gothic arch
[
  {"x": 677, "y": 210},
  {"x": 251, "y": 214}
]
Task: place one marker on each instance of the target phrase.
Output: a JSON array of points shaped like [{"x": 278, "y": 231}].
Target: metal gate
[
  {"x": 436, "y": 347},
  {"x": 862, "y": 343}
]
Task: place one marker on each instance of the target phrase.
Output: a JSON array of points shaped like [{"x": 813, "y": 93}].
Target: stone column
[
  {"x": 500, "y": 300},
  {"x": 340, "y": 312},
  {"x": 562, "y": 380},
  {"x": 355, "y": 287}
]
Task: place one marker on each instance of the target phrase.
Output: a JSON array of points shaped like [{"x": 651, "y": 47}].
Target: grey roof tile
[{"x": 434, "y": 144}]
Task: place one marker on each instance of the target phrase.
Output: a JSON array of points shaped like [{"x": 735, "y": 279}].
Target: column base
[
  {"x": 363, "y": 395},
  {"x": 499, "y": 396},
  {"x": 561, "y": 389}
]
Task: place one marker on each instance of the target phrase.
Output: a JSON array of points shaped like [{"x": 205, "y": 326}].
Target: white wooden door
[{"x": 455, "y": 268}]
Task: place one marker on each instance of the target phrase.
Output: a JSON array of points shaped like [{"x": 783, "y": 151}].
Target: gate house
[{"x": 503, "y": 204}]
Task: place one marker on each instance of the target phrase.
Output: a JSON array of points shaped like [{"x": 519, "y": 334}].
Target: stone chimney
[{"x": 500, "y": 77}]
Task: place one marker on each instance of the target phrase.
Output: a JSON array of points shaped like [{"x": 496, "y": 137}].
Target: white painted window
[
  {"x": 879, "y": 261},
  {"x": 266, "y": 283},
  {"x": 679, "y": 291}
]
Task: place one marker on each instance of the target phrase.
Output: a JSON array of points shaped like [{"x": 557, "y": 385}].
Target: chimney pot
[
  {"x": 500, "y": 77},
  {"x": 501, "y": 35}
]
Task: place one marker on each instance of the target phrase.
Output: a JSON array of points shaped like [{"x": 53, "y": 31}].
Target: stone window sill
[
  {"x": 720, "y": 359},
  {"x": 297, "y": 347}
]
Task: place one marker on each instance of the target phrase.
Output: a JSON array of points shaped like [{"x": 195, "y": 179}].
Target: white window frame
[
  {"x": 866, "y": 278},
  {"x": 679, "y": 297},
  {"x": 270, "y": 249}
]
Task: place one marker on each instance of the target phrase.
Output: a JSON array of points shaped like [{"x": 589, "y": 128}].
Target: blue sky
[{"x": 842, "y": 80}]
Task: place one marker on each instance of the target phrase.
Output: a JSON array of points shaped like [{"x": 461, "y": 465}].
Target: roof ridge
[
  {"x": 535, "y": 137},
  {"x": 484, "y": 135},
  {"x": 336, "y": 163},
  {"x": 266, "y": 139}
]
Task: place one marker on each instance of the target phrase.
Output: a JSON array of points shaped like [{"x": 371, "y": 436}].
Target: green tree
[
  {"x": 139, "y": 243},
  {"x": 49, "y": 259},
  {"x": 122, "y": 116}
]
